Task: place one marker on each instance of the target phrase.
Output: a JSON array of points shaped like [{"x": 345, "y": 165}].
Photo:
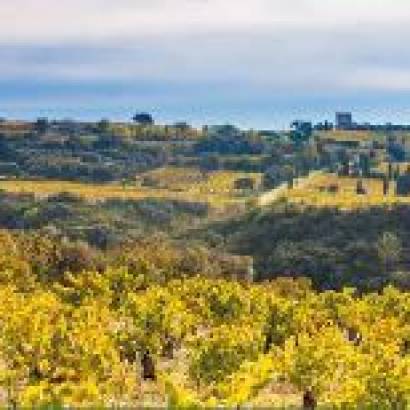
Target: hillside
[
  {"x": 215, "y": 189},
  {"x": 330, "y": 190},
  {"x": 149, "y": 266},
  {"x": 333, "y": 247}
]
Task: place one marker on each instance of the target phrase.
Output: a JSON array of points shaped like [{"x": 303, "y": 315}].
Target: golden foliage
[
  {"x": 186, "y": 184},
  {"x": 79, "y": 342}
]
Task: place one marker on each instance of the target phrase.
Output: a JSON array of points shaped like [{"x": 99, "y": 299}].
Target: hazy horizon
[
  {"x": 258, "y": 65},
  {"x": 275, "y": 120}
]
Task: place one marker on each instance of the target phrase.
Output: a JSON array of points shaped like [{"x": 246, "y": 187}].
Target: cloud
[
  {"x": 203, "y": 55},
  {"x": 30, "y": 21},
  {"x": 287, "y": 61},
  {"x": 382, "y": 79}
]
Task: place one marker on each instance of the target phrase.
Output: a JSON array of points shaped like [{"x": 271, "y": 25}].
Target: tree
[
  {"x": 360, "y": 190},
  {"x": 396, "y": 173},
  {"x": 389, "y": 249},
  {"x": 390, "y": 171},
  {"x": 290, "y": 182},
  {"x": 385, "y": 186},
  {"x": 364, "y": 161},
  {"x": 344, "y": 162},
  {"x": 41, "y": 125},
  {"x": 143, "y": 118},
  {"x": 301, "y": 131},
  {"x": 182, "y": 125},
  {"x": 103, "y": 125}
]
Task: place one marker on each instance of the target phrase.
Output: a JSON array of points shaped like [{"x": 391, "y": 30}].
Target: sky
[{"x": 254, "y": 63}]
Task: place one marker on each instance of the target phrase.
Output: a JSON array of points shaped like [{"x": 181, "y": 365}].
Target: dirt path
[{"x": 279, "y": 192}]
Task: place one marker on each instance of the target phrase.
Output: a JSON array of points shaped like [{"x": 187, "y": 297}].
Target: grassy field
[
  {"x": 215, "y": 188},
  {"x": 315, "y": 193}
]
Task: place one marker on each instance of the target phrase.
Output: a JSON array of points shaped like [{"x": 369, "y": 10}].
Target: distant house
[
  {"x": 344, "y": 121},
  {"x": 244, "y": 183}
]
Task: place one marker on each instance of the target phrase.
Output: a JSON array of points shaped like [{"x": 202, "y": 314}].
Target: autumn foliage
[{"x": 85, "y": 336}]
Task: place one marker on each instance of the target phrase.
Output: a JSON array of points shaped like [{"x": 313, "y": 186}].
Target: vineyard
[
  {"x": 189, "y": 184},
  {"x": 329, "y": 190},
  {"x": 100, "y": 339},
  {"x": 402, "y": 167},
  {"x": 343, "y": 135}
]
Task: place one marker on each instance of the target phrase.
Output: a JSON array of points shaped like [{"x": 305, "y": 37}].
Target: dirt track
[{"x": 279, "y": 192}]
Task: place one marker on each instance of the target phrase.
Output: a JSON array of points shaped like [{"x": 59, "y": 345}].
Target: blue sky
[{"x": 258, "y": 63}]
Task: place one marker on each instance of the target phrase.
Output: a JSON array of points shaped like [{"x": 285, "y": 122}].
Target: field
[
  {"x": 315, "y": 192},
  {"x": 190, "y": 184},
  {"x": 218, "y": 190},
  {"x": 402, "y": 166},
  {"x": 343, "y": 135}
]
